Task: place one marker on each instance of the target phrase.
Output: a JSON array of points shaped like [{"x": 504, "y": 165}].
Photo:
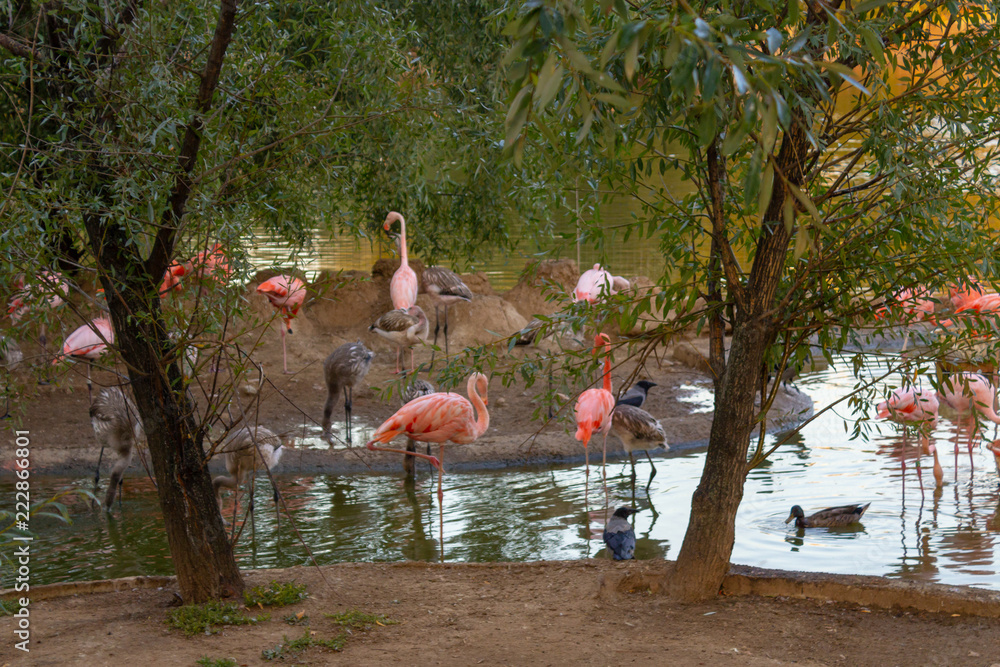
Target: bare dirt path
[{"x": 554, "y": 613}]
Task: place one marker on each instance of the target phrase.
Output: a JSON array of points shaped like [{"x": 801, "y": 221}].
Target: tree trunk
[
  {"x": 708, "y": 543},
  {"x": 199, "y": 547}
]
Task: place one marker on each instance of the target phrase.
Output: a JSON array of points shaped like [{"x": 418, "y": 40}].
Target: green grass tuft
[
  {"x": 275, "y": 594},
  {"x": 359, "y": 620},
  {"x": 217, "y": 662},
  {"x": 291, "y": 648},
  {"x": 207, "y": 618}
]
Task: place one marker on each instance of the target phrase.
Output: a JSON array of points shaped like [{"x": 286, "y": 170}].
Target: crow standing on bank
[{"x": 619, "y": 534}]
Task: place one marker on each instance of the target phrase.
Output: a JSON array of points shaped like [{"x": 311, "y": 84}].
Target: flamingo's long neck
[
  {"x": 402, "y": 242},
  {"x": 482, "y": 414},
  {"x": 607, "y": 367}
]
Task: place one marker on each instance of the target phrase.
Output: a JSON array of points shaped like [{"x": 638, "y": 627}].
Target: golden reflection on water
[{"x": 638, "y": 256}]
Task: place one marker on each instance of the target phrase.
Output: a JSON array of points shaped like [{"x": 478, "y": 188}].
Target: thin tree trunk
[
  {"x": 202, "y": 555},
  {"x": 708, "y": 543}
]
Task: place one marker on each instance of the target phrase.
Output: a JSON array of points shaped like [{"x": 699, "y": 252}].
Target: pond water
[
  {"x": 639, "y": 256},
  {"x": 949, "y": 535}
]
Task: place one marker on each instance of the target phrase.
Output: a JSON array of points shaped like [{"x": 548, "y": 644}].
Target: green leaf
[
  {"x": 550, "y": 78},
  {"x": 588, "y": 120},
  {"x": 766, "y": 189},
  {"x": 865, "y": 7},
  {"x": 873, "y": 41},
  {"x": 616, "y": 100},
  {"x": 517, "y": 115},
  {"x": 706, "y": 126},
  {"x": 769, "y": 126},
  {"x": 788, "y": 214},
  {"x": 632, "y": 59},
  {"x": 805, "y": 200},
  {"x": 734, "y": 138},
  {"x": 801, "y": 243},
  {"x": 845, "y": 73}
]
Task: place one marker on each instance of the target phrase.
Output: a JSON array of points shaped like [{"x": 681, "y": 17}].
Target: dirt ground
[
  {"x": 552, "y": 613},
  {"x": 557, "y": 613}
]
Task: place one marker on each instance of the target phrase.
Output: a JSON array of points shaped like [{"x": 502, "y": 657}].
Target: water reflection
[{"x": 948, "y": 533}]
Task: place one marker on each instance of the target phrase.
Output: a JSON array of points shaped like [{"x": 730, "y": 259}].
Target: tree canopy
[{"x": 841, "y": 153}]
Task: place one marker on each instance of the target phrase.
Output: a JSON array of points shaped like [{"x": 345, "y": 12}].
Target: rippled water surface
[{"x": 947, "y": 535}]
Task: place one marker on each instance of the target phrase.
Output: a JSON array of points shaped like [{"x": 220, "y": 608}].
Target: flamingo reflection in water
[{"x": 916, "y": 408}]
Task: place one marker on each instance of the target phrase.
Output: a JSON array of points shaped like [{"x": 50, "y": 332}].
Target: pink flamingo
[
  {"x": 967, "y": 394},
  {"x": 211, "y": 263},
  {"x": 593, "y": 412},
  {"x": 596, "y": 282},
  {"x": 286, "y": 294},
  {"x": 172, "y": 278},
  {"x": 916, "y": 407},
  {"x": 88, "y": 343},
  {"x": 52, "y": 285},
  {"x": 963, "y": 294},
  {"x": 440, "y": 417},
  {"x": 403, "y": 286},
  {"x": 910, "y": 305},
  {"x": 995, "y": 448}
]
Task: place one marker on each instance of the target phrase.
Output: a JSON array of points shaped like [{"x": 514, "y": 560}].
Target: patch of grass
[
  {"x": 217, "y": 662},
  {"x": 291, "y": 648},
  {"x": 359, "y": 620},
  {"x": 297, "y": 619},
  {"x": 207, "y": 618},
  {"x": 275, "y": 594}
]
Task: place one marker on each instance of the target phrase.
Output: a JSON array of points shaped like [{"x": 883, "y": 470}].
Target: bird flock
[
  {"x": 429, "y": 416},
  {"x": 426, "y": 416}
]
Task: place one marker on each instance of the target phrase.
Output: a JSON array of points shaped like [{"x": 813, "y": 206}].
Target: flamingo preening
[
  {"x": 404, "y": 329},
  {"x": 345, "y": 367},
  {"x": 439, "y": 417},
  {"x": 593, "y": 412},
  {"x": 597, "y": 282},
  {"x": 88, "y": 343},
  {"x": 211, "y": 263},
  {"x": 286, "y": 294},
  {"x": 403, "y": 286}
]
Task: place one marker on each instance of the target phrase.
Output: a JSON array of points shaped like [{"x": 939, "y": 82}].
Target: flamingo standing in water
[
  {"x": 597, "y": 282},
  {"x": 593, "y": 412},
  {"x": 439, "y": 417},
  {"x": 117, "y": 425},
  {"x": 967, "y": 394},
  {"x": 285, "y": 293},
  {"x": 88, "y": 343},
  {"x": 916, "y": 407},
  {"x": 403, "y": 286},
  {"x": 244, "y": 452}
]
